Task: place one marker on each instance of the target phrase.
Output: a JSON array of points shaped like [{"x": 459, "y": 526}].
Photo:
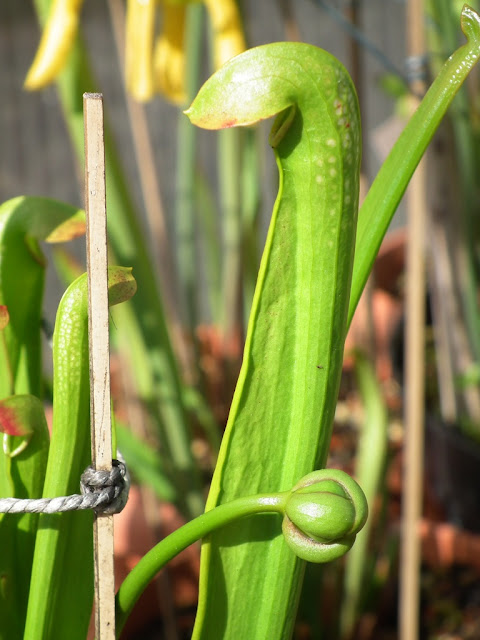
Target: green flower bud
[{"x": 323, "y": 514}]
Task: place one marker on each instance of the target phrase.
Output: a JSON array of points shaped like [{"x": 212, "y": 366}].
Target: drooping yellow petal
[
  {"x": 140, "y": 28},
  {"x": 170, "y": 55},
  {"x": 228, "y": 38},
  {"x": 56, "y": 43}
]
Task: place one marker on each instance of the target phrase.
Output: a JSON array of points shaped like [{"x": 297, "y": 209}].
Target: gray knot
[{"x": 107, "y": 490}]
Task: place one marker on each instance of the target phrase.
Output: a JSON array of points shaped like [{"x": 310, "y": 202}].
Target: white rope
[{"x": 106, "y": 492}]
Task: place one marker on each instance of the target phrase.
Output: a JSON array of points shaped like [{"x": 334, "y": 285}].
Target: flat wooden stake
[
  {"x": 415, "y": 294},
  {"x": 100, "y": 419}
]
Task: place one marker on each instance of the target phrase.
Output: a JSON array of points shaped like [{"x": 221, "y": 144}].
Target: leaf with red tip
[
  {"x": 73, "y": 227},
  {"x": 25, "y": 223},
  {"x": 18, "y": 415}
]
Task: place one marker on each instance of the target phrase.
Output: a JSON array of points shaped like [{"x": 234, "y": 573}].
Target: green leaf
[
  {"x": 281, "y": 417},
  {"x": 22, "y": 472},
  {"x": 25, "y": 221},
  {"x": 389, "y": 186},
  {"x": 61, "y": 592}
]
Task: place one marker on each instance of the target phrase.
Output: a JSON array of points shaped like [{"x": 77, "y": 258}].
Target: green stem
[
  {"x": 137, "y": 580},
  {"x": 322, "y": 513}
]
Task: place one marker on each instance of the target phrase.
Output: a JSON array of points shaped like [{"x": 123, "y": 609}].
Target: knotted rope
[{"x": 106, "y": 492}]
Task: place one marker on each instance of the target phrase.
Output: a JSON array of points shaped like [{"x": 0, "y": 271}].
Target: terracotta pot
[{"x": 445, "y": 545}]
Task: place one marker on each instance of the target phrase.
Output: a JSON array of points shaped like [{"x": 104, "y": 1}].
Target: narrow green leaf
[
  {"x": 389, "y": 186},
  {"x": 62, "y": 574}
]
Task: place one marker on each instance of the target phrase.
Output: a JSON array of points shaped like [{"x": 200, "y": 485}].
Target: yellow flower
[
  {"x": 56, "y": 43},
  {"x": 152, "y": 64},
  {"x": 169, "y": 55},
  {"x": 228, "y": 39},
  {"x": 169, "y": 51},
  {"x": 140, "y": 31}
]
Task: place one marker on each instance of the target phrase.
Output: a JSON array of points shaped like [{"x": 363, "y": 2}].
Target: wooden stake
[
  {"x": 100, "y": 419},
  {"x": 412, "y": 494}
]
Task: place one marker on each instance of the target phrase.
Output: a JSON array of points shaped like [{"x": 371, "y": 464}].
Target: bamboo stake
[
  {"x": 100, "y": 418},
  {"x": 415, "y": 363}
]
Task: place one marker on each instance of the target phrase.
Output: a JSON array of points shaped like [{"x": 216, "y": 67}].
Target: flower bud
[{"x": 323, "y": 514}]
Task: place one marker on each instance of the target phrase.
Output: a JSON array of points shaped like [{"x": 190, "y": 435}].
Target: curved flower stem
[
  {"x": 137, "y": 580},
  {"x": 322, "y": 513}
]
